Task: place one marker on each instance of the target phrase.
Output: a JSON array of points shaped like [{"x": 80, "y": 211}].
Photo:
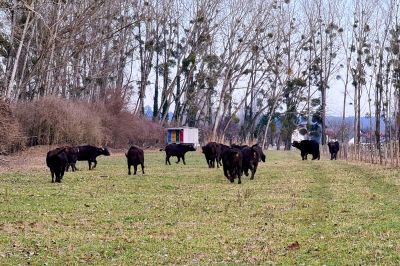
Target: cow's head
[
  {"x": 296, "y": 144},
  {"x": 190, "y": 148},
  {"x": 104, "y": 151}
]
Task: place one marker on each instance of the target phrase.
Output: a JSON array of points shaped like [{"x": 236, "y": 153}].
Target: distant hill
[{"x": 350, "y": 120}]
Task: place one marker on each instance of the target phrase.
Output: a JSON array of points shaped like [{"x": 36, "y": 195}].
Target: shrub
[
  {"x": 12, "y": 138},
  {"x": 124, "y": 128},
  {"x": 51, "y": 120}
]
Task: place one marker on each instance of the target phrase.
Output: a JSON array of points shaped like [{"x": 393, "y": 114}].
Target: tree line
[{"x": 221, "y": 65}]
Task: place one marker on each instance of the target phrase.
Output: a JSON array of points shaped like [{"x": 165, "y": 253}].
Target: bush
[
  {"x": 51, "y": 120},
  {"x": 12, "y": 138},
  {"x": 124, "y": 128}
]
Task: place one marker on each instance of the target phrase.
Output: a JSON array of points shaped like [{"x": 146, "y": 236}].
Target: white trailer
[{"x": 183, "y": 135}]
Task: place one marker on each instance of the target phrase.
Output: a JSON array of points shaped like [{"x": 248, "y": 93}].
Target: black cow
[
  {"x": 72, "y": 155},
  {"x": 211, "y": 153},
  {"x": 251, "y": 156},
  {"x": 307, "y": 147},
  {"x": 89, "y": 153},
  {"x": 232, "y": 160},
  {"x": 177, "y": 150},
  {"x": 333, "y": 149},
  {"x": 135, "y": 156},
  {"x": 57, "y": 161},
  {"x": 220, "y": 149}
]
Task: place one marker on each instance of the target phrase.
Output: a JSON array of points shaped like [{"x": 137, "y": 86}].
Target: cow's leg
[
  {"x": 167, "y": 160},
  {"x": 142, "y": 168},
  {"x": 245, "y": 170},
  {"x": 226, "y": 172},
  {"x": 183, "y": 159},
  {"x": 90, "y": 165},
  {"x": 74, "y": 167},
  {"x": 253, "y": 172},
  {"x": 95, "y": 164},
  {"x": 58, "y": 176},
  {"x": 179, "y": 159},
  {"x": 62, "y": 174},
  {"x": 239, "y": 175},
  {"x": 135, "y": 168},
  {"x": 67, "y": 167},
  {"x": 52, "y": 175},
  {"x": 129, "y": 169}
]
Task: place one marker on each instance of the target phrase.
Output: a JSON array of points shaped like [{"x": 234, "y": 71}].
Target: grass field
[{"x": 294, "y": 212}]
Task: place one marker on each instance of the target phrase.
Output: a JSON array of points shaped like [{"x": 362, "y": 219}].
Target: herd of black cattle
[{"x": 234, "y": 159}]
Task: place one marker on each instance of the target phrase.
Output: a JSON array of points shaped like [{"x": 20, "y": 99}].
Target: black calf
[
  {"x": 135, "y": 156},
  {"x": 333, "y": 149}
]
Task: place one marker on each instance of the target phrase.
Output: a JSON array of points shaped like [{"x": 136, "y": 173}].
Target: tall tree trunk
[
  {"x": 16, "y": 61},
  {"x": 155, "y": 99}
]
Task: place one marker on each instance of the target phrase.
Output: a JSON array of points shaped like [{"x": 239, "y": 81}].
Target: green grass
[{"x": 337, "y": 212}]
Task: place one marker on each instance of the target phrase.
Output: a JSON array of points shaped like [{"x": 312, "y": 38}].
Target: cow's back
[
  {"x": 175, "y": 149},
  {"x": 211, "y": 150},
  {"x": 231, "y": 157},
  {"x": 250, "y": 155},
  {"x": 135, "y": 155},
  {"x": 85, "y": 152},
  {"x": 56, "y": 158}
]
